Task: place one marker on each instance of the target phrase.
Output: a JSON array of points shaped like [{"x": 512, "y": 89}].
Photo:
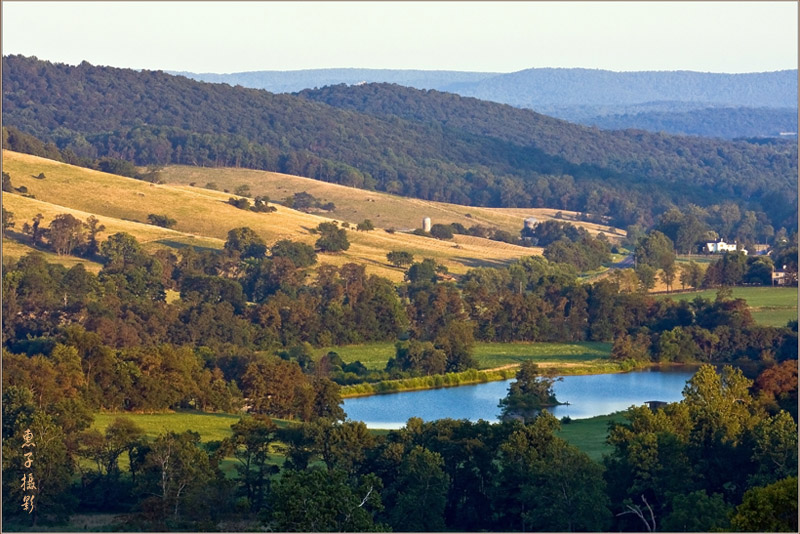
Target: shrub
[
  {"x": 241, "y": 203},
  {"x": 365, "y": 226},
  {"x": 161, "y": 220}
]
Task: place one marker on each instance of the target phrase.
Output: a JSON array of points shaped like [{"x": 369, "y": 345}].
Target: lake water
[{"x": 587, "y": 395}]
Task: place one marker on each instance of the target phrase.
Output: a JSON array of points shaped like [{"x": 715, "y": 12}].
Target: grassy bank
[
  {"x": 562, "y": 355},
  {"x": 473, "y": 376},
  {"x": 426, "y": 382},
  {"x": 588, "y": 435},
  {"x": 496, "y": 361},
  {"x": 374, "y": 356},
  {"x": 210, "y": 426}
]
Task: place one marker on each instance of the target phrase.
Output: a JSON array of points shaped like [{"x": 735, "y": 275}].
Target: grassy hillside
[
  {"x": 204, "y": 218},
  {"x": 589, "y": 435},
  {"x": 384, "y": 210}
]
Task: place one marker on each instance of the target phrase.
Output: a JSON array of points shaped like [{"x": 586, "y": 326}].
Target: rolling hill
[
  {"x": 740, "y": 105},
  {"x": 385, "y": 210},
  {"x": 424, "y": 144},
  {"x": 204, "y": 217}
]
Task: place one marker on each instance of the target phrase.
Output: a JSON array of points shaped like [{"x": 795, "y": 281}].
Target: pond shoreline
[
  {"x": 583, "y": 396},
  {"x": 404, "y": 385}
]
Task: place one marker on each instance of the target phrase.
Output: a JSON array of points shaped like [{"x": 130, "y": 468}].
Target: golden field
[{"x": 204, "y": 217}]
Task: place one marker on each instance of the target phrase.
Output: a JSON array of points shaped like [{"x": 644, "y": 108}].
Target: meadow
[
  {"x": 589, "y": 435},
  {"x": 210, "y": 427},
  {"x": 585, "y": 355},
  {"x": 769, "y": 306}
]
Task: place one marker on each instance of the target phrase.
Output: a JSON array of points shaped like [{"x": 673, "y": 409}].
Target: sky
[{"x": 225, "y": 37}]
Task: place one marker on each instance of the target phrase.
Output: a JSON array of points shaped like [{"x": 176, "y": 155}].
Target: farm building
[
  {"x": 779, "y": 277},
  {"x": 721, "y": 246}
]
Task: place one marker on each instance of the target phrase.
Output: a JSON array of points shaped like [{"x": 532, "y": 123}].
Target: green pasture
[
  {"x": 210, "y": 426},
  {"x": 490, "y": 355},
  {"x": 589, "y": 435},
  {"x": 374, "y": 356},
  {"x": 770, "y": 306}
]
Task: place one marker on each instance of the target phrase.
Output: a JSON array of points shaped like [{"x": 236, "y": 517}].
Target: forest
[
  {"x": 246, "y": 331},
  {"x": 421, "y": 144},
  {"x": 707, "y": 104},
  {"x": 728, "y": 123}
]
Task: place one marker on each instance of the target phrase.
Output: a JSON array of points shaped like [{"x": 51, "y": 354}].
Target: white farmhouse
[{"x": 721, "y": 246}]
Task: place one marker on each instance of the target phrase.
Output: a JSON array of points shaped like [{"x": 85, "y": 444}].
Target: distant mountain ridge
[
  {"x": 708, "y": 122},
  {"x": 606, "y": 99},
  {"x": 297, "y": 80},
  {"x": 543, "y": 87},
  {"x": 548, "y": 86}
]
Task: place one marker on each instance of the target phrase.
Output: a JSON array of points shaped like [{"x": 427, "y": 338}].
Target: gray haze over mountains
[{"x": 679, "y": 102}]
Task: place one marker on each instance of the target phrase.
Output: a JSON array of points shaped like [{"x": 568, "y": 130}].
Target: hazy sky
[{"x": 476, "y": 36}]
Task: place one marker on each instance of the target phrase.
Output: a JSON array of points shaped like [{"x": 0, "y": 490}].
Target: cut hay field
[
  {"x": 204, "y": 218},
  {"x": 383, "y": 209}
]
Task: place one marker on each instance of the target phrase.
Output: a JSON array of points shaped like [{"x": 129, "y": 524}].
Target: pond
[{"x": 587, "y": 395}]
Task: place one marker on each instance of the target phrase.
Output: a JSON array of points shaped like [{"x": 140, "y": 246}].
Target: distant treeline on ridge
[{"x": 423, "y": 144}]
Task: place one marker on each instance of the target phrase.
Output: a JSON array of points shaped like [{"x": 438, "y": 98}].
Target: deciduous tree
[{"x": 65, "y": 233}]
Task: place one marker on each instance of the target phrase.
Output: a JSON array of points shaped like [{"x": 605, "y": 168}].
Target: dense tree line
[
  {"x": 715, "y": 460},
  {"x": 252, "y": 297},
  {"x": 690, "y": 228},
  {"x": 423, "y": 144}
]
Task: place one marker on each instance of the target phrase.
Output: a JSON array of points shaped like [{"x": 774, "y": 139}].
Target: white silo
[{"x": 426, "y": 224}]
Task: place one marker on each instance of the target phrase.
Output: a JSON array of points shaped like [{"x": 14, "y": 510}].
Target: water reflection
[{"x": 587, "y": 395}]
